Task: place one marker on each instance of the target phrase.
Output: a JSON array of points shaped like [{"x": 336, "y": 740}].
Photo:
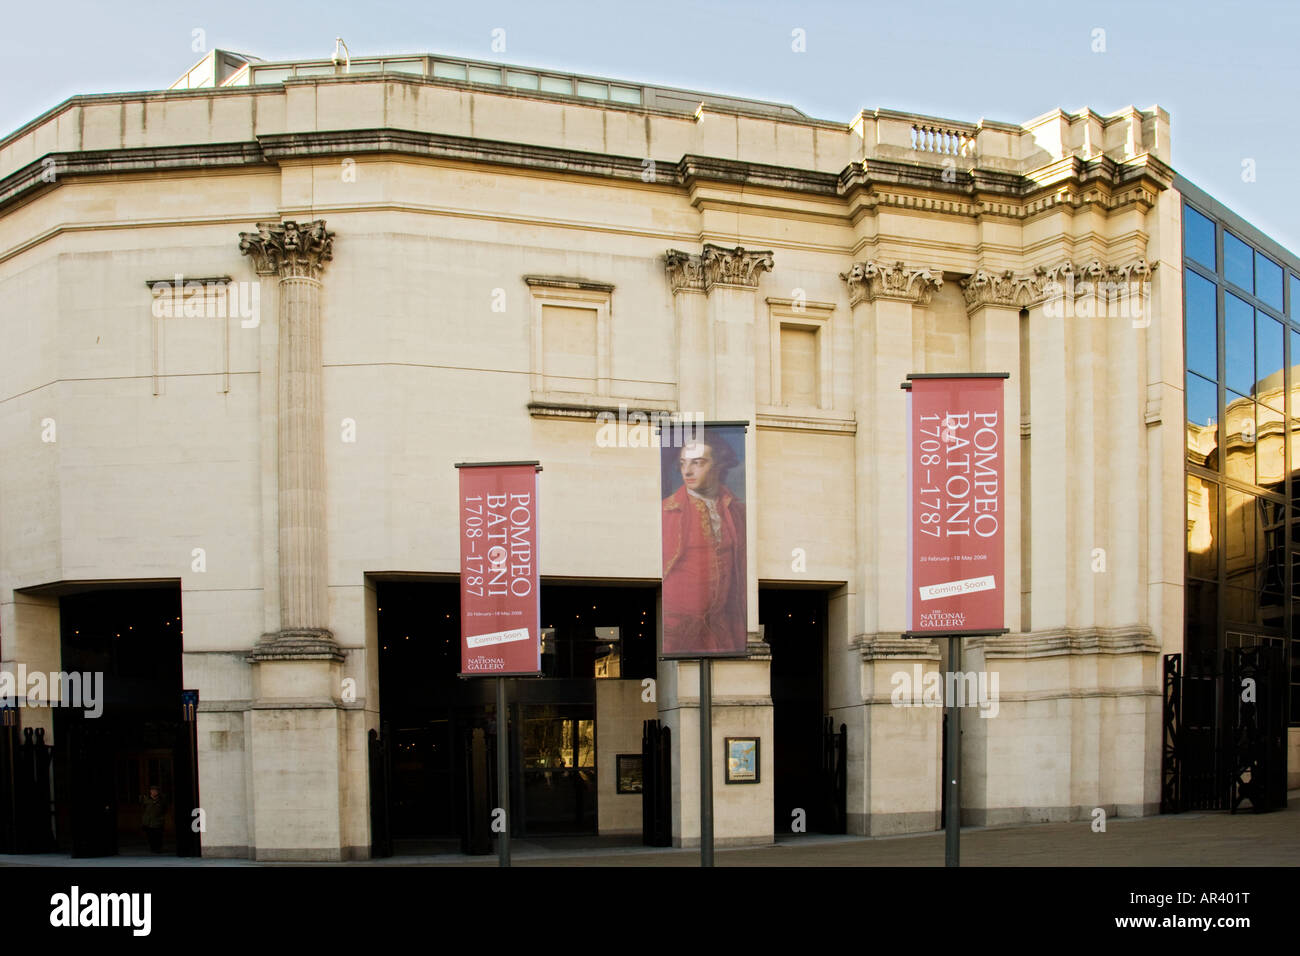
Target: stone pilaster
[
  {"x": 993, "y": 304},
  {"x": 1048, "y": 447},
  {"x": 685, "y": 273},
  {"x": 1082, "y": 663},
  {"x": 1083, "y": 385},
  {"x": 882, "y": 298},
  {"x": 714, "y": 304},
  {"x": 893, "y": 784},
  {"x": 730, "y": 282},
  {"x": 1126, "y": 457}
]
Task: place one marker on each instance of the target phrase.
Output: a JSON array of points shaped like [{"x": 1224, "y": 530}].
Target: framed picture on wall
[
  {"x": 742, "y": 759},
  {"x": 629, "y": 773}
]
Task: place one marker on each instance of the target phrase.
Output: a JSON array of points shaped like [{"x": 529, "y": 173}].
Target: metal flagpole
[
  {"x": 952, "y": 768},
  {"x": 503, "y": 774},
  {"x": 706, "y": 762}
]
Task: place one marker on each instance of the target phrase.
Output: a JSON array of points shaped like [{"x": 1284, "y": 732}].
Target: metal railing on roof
[{"x": 505, "y": 76}]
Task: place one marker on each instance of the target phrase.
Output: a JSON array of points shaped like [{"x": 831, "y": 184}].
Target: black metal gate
[
  {"x": 185, "y": 778},
  {"x": 1255, "y": 683},
  {"x": 835, "y": 778},
  {"x": 1224, "y": 735},
  {"x": 381, "y": 835},
  {"x": 26, "y": 801},
  {"x": 656, "y": 784}
]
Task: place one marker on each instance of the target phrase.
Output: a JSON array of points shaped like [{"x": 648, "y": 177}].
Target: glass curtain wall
[{"x": 1241, "y": 310}]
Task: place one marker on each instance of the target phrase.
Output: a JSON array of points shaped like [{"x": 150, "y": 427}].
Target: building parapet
[{"x": 412, "y": 93}]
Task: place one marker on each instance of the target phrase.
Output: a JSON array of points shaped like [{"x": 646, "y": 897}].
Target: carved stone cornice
[
  {"x": 872, "y": 280},
  {"x": 1135, "y": 639},
  {"x": 1063, "y": 280},
  {"x": 734, "y": 267},
  {"x": 932, "y": 186},
  {"x": 289, "y": 249},
  {"x": 685, "y": 271},
  {"x": 893, "y": 646}
]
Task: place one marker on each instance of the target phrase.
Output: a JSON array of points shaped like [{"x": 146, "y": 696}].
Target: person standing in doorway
[{"x": 154, "y": 818}]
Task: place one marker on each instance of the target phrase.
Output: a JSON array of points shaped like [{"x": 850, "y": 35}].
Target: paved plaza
[{"x": 1182, "y": 840}]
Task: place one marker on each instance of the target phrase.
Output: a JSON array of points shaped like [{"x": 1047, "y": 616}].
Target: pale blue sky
[{"x": 1227, "y": 72}]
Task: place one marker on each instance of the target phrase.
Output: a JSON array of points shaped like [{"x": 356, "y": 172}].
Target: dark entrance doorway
[
  {"x": 105, "y": 765},
  {"x": 794, "y": 623},
  {"x": 439, "y": 730}
]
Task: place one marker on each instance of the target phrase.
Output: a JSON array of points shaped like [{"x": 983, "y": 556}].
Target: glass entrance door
[{"x": 557, "y": 745}]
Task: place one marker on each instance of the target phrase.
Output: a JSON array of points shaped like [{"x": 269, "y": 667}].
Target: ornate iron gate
[{"x": 1224, "y": 732}]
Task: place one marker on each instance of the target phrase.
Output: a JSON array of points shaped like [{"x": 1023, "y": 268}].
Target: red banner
[
  {"x": 957, "y": 514},
  {"x": 500, "y": 596}
]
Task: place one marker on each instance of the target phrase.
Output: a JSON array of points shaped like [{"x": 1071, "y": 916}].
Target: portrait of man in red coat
[{"x": 704, "y": 592}]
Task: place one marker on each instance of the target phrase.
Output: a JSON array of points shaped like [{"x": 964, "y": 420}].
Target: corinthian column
[{"x": 297, "y": 253}]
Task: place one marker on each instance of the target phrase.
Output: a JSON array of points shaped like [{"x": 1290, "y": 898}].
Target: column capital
[
  {"x": 734, "y": 267},
  {"x": 716, "y": 265},
  {"x": 1004, "y": 289},
  {"x": 289, "y": 249},
  {"x": 685, "y": 271},
  {"x": 1063, "y": 280},
  {"x": 871, "y": 280}
]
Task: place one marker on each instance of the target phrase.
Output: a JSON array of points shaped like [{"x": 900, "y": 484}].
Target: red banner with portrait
[
  {"x": 705, "y": 591},
  {"x": 500, "y": 596},
  {"x": 957, "y": 514}
]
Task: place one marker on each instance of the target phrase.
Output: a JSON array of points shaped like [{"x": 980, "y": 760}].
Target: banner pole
[
  {"x": 952, "y": 770},
  {"x": 503, "y": 774},
  {"x": 706, "y": 762}
]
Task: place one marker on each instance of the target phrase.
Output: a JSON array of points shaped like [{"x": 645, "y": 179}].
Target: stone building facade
[{"x": 445, "y": 261}]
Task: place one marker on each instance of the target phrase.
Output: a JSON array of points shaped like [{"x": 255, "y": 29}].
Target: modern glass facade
[{"x": 1241, "y": 302}]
